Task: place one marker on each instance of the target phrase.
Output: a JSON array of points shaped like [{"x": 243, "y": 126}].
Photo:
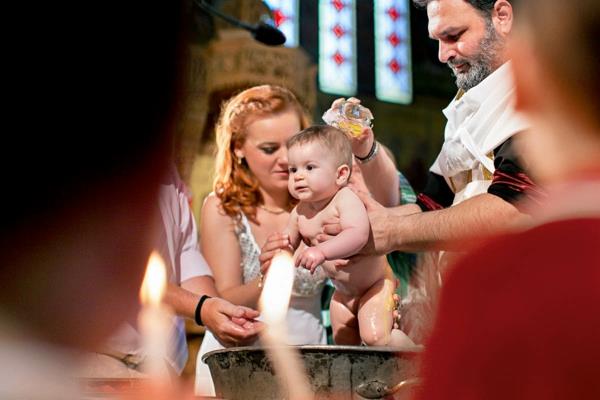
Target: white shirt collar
[{"x": 478, "y": 122}]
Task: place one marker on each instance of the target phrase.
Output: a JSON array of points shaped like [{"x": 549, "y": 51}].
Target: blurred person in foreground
[
  {"x": 85, "y": 163},
  {"x": 518, "y": 317}
]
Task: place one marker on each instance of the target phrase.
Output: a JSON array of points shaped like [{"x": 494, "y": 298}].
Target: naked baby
[{"x": 319, "y": 162}]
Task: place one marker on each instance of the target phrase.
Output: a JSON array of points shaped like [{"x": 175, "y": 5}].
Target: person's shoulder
[
  {"x": 347, "y": 198},
  {"x": 212, "y": 209},
  {"x": 294, "y": 212},
  {"x": 345, "y": 193}
]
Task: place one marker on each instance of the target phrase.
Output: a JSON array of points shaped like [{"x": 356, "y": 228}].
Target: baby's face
[{"x": 313, "y": 172}]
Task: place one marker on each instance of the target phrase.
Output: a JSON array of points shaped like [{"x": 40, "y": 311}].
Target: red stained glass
[
  {"x": 338, "y": 4},
  {"x": 393, "y": 13},
  {"x": 395, "y": 66},
  {"x": 279, "y": 17},
  {"x": 338, "y": 58},
  {"x": 338, "y": 31},
  {"x": 394, "y": 39}
]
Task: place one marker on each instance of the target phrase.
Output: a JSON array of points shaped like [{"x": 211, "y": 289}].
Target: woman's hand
[{"x": 275, "y": 243}]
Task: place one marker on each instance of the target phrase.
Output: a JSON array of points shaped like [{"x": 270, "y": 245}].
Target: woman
[
  {"x": 518, "y": 318},
  {"x": 250, "y": 201}
]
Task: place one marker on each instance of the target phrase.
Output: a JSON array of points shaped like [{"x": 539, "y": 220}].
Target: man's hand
[
  {"x": 361, "y": 144},
  {"x": 275, "y": 243},
  {"x": 380, "y": 237},
  {"x": 232, "y": 325},
  {"x": 379, "y": 242},
  {"x": 357, "y": 181},
  {"x": 310, "y": 259}
]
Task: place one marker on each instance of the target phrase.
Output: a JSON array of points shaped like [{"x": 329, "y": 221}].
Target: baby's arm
[
  {"x": 355, "y": 227},
  {"x": 309, "y": 258}
]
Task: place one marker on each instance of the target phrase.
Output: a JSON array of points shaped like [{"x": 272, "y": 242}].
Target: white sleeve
[{"x": 191, "y": 260}]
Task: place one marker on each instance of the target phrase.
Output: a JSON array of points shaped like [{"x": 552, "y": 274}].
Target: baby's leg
[
  {"x": 375, "y": 313},
  {"x": 343, "y": 319},
  {"x": 400, "y": 339}
]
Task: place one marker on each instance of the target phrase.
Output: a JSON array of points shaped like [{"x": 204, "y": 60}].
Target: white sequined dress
[{"x": 303, "y": 317}]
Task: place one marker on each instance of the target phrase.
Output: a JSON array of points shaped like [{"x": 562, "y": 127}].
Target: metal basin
[{"x": 334, "y": 372}]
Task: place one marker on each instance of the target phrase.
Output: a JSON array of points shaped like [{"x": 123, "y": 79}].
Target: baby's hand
[{"x": 310, "y": 259}]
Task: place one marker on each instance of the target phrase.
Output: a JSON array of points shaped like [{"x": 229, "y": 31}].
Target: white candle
[
  {"x": 273, "y": 303},
  {"x": 155, "y": 319}
]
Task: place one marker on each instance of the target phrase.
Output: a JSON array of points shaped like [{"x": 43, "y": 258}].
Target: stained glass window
[
  {"x": 337, "y": 47},
  {"x": 285, "y": 17},
  {"x": 393, "y": 69}
]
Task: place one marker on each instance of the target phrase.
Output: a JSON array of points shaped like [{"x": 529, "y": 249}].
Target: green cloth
[
  {"x": 408, "y": 194},
  {"x": 403, "y": 263}
]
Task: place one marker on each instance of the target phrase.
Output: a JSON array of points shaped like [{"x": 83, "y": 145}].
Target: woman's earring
[{"x": 240, "y": 159}]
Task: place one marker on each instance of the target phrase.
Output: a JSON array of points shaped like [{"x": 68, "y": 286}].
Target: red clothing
[{"x": 519, "y": 318}]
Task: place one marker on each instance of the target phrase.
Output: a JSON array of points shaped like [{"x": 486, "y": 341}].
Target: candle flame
[
  {"x": 277, "y": 289},
  {"x": 274, "y": 302},
  {"x": 155, "y": 280}
]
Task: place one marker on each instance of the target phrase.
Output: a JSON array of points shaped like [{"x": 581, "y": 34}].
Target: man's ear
[
  {"x": 343, "y": 175},
  {"x": 502, "y": 17}
]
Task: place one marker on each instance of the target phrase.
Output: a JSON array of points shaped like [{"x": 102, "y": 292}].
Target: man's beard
[{"x": 482, "y": 64}]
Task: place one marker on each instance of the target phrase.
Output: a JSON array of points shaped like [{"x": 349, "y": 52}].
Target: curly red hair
[{"x": 234, "y": 184}]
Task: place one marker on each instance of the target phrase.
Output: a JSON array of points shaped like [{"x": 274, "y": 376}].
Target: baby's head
[{"x": 319, "y": 162}]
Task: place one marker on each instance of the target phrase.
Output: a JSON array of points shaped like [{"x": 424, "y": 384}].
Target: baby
[{"x": 319, "y": 163}]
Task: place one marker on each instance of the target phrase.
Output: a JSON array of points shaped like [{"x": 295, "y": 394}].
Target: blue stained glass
[
  {"x": 286, "y": 18},
  {"x": 337, "y": 47},
  {"x": 393, "y": 61}
]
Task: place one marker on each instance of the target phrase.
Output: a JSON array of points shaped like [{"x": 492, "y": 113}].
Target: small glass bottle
[{"x": 348, "y": 116}]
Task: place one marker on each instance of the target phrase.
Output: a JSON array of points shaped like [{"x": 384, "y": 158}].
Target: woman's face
[{"x": 264, "y": 148}]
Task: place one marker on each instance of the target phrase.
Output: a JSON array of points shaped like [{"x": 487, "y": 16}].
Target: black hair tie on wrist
[
  {"x": 372, "y": 153},
  {"x": 197, "y": 316}
]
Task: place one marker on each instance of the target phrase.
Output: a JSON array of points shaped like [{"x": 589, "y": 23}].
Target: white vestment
[{"x": 478, "y": 122}]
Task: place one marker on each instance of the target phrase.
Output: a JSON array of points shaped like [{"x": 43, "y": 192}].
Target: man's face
[{"x": 468, "y": 42}]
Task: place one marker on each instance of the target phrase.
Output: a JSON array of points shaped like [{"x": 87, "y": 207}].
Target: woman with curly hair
[{"x": 250, "y": 201}]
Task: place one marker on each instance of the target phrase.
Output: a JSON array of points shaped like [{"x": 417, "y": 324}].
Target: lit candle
[
  {"x": 155, "y": 319},
  {"x": 274, "y": 303}
]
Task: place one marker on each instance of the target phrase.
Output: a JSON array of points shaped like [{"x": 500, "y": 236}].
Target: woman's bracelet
[
  {"x": 197, "y": 315},
  {"x": 372, "y": 154}
]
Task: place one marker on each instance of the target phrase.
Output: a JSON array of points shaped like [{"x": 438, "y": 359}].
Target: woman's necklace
[{"x": 275, "y": 211}]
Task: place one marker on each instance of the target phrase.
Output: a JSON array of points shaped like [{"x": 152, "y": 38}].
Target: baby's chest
[{"x": 310, "y": 226}]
